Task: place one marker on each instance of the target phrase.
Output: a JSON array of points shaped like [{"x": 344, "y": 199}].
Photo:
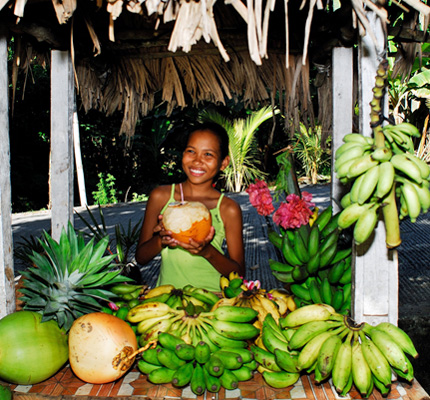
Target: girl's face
[{"x": 201, "y": 160}]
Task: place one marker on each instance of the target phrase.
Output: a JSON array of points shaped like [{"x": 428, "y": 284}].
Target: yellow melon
[{"x": 187, "y": 220}]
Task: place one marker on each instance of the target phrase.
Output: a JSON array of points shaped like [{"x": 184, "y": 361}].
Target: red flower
[
  {"x": 295, "y": 212},
  {"x": 260, "y": 197}
]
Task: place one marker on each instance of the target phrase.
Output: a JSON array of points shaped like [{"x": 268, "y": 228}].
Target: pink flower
[
  {"x": 295, "y": 212},
  {"x": 260, "y": 197}
]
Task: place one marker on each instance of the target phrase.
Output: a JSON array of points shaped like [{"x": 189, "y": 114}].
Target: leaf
[{"x": 419, "y": 80}]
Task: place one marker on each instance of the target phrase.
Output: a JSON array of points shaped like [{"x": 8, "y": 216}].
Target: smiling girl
[{"x": 197, "y": 263}]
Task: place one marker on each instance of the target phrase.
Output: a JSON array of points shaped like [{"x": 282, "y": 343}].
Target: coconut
[{"x": 187, "y": 220}]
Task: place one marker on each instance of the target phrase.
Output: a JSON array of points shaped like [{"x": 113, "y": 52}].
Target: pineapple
[{"x": 69, "y": 278}]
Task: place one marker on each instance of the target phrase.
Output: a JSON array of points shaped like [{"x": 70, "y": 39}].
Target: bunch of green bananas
[
  {"x": 316, "y": 266},
  {"x": 177, "y": 298},
  {"x": 331, "y": 345},
  {"x": 127, "y": 292},
  {"x": 201, "y": 366},
  {"x": 373, "y": 172}
]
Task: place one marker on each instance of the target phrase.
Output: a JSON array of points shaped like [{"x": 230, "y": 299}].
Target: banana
[
  {"x": 223, "y": 282},
  {"x": 146, "y": 367},
  {"x": 361, "y": 373},
  {"x": 361, "y": 165},
  {"x": 183, "y": 374},
  {"x": 406, "y": 128},
  {"x": 308, "y": 331},
  {"x": 285, "y": 277},
  {"x": 377, "y": 362},
  {"x": 365, "y": 225},
  {"x": 158, "y": 290},
  {"x": 289, "y": 253},
  {"x": 300, "y": 291},
  {"x": 279, "y": 266},
  {"x": 269, "y": 305},
  {"x": 367, "y": 187},
  {"x": 243, "y": 373},
  {"x": 233, "y": 314},
  {"x": 148, "y": 310},
  {"x": 282, "y": 304},
  {"x": 150, "y": 356},
  {"x": 337, "y": 298},
  {"x": 327, "y": 355},
  {"x": 388, "y": 346},
  {"x": 230, "y": 359},
  {"x": 202, "y": 352},
  {"x": 300, "y": 273},
  {"x": 232, "y": 275},
  {"x": 342, "y": 368},
  {"x": 185, "y": 351},
  {"x": 146, "y": 324},
  {"x": 252, "y": 365},
  {"x": 382, "y": 154},
  {"x": 355, "y": 188},
  {"x": 313, "y": 264},
  {"x": 336, "y": 271},
  {"x": 223, "y": 341},
  {"x": 169, "y": 341},
  {"x": 324, "y": 218},
  {"x": 121, "y": 289},
  {"x": 161, "y": 375},
  {"x": 407, "y": 167},
  {"x": 355, "y": 137},
  {"x": 399, "y": 336},
  {"x": 313, "y": 240},
  {"x": 212, "y": 383},
  {"x": 421, "y": 164},
  {"x": 280, "y": 379},
  {"x": 385, "y": 390},
  {"x": 312, "y": 312},
  {"x": 409, "y": 376},
  {"x": 204, "y": 295},
  {"x": 412, "y": 200},
  {"x": 228, "y": 380},
  {"x": 342, "y": 170},
  {"x": 215, "y": 366},
  {"x": 326, "y": 293},
  {"x": 235, "y": 283},
  {"x": 292, "y": 306},
  {"x": 423, "y": 193},
  {"x": 343, "y": 254},
  {"x": 273, "y": 341},
  {"x": 386, "y": 179},
  {"x": 265, "y": 358},
  {"x": 168, "y": 358},
  {"x": 235, "y": 330},
  {"x": 285, "y": 360},
  {"x": 328, "y": 255},
  {"x": 354, "y": 152},
  {"x": 246, "y": 355},
  {"x": 350, "y": 215},
  {"x": 345, "y": 201},
  {"x": 331, "y": 226},
  {"x": 344, "y": 148},
  {"x": 309, "y": 354},
  {"x": 197, "y": 382},
  {"x": 314, "y": 291},
  {"x": 275, "y": 238},
  {"x": 300, "y": 248}
]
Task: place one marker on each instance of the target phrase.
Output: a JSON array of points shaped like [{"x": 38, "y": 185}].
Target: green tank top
[{"x": 180, "y": 268}]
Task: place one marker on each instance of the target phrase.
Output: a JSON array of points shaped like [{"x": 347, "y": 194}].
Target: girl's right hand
[{"x": 165, "y": 236}]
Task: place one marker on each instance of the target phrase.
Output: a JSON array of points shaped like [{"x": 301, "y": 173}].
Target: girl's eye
[{"x": 209, "y": 155}]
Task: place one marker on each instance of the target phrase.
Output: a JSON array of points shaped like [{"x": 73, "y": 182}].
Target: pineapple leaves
[{"x": 101, "y": 279}]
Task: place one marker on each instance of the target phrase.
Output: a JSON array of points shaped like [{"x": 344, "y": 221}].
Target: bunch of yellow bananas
[
  {"x": 276, "y": 302},
  {"x": 331, "y": 345},
  {"x": 174, "y": 361}
]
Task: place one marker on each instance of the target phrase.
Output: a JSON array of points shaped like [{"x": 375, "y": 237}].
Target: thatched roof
[{"x": 124, "y": 51}]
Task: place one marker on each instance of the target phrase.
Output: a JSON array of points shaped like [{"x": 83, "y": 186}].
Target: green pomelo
[{"x": 30, "y": 350}]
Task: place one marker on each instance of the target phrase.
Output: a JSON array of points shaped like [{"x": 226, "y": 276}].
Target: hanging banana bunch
[{"x": 383, "y": 173}]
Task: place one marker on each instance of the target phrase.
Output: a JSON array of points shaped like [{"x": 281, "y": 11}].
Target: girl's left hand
[{"x": 198, "y": 248}]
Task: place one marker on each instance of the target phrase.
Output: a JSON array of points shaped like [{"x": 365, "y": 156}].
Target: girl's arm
[{"x": 151, "y": 234}]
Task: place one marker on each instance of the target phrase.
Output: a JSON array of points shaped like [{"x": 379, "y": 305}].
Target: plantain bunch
[
  {"x": 383, "y": 174},
  {"x": 317, "y": 262},
  {"x": 201, "y": 365},
  {"x": 240, "y": 293},
  {"x": 321, "y": 341}
]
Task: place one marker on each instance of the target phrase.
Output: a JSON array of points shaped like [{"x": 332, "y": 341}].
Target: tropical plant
[
  {"x": 310, "y": 151},
  {"x": 244, "y": 165},
  {"x": 69, "y": 278},
  {"x": 106, "y": 192}
]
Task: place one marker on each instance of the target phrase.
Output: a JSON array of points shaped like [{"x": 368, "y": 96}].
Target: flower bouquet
[{"x": 312, "y": 264}]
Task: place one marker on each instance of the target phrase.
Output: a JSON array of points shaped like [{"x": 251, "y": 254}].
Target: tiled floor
[{"x": 135, "y": 385}]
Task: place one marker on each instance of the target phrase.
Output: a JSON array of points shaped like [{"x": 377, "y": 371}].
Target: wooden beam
[
  {"x": 375, "y": 268},
  {"x": 343, "y": 109},
  {"x": 61, "y": 162},
  {"x": 7, "y": 281}
]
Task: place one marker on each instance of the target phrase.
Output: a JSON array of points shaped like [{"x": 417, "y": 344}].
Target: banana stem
[{"x": 391, "y": 220}]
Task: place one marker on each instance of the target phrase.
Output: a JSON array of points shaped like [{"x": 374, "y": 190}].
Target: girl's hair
[{"x": 217, "y": 130}]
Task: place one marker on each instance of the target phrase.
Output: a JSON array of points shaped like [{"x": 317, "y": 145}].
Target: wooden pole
[
  {"x": 375, "y": 268},
  {"x": 7, "y": 279},
  {"x": 61, "y": 160},
  {"x": 78, "y": 160}
]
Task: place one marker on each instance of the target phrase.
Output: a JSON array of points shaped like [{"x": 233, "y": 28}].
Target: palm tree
[{"x": 244, "y": 165}]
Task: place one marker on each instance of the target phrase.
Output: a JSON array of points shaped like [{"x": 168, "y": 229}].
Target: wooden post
[
  {"x": 78, "y": 160},
  {"x": 343, "y": 109},
  {"x": 61, "y": 163},
  {"x": 7, "y": 280},
  {"x": 375, "y": 268}
]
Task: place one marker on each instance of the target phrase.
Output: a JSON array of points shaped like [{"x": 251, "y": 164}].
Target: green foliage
[
  {"x": 106, "y": 192},
  {"x": 309, "y": 151},
  {"x": 245, "y": 165},
  {"x": 139, "y": 197}
]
